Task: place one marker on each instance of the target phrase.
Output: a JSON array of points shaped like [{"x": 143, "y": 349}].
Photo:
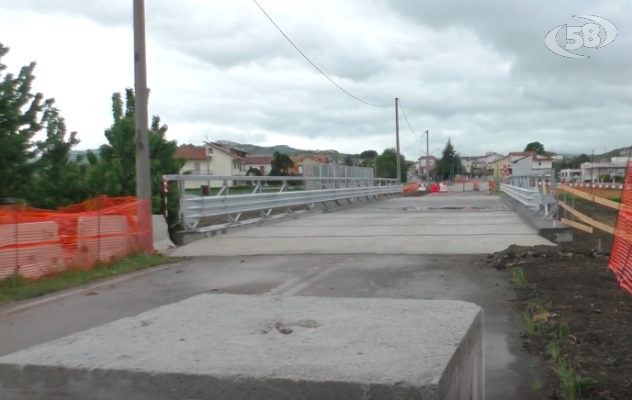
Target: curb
[{"x": 49, "y": 298}]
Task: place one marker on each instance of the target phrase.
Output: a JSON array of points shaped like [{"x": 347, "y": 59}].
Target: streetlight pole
[
  {"x": 141, "y": 113},
  {"x": 399, "y": 162}
]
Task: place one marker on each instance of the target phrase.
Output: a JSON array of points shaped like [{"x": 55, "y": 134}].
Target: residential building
[
  {"x": 496, "y": 168},
  {"x": 210, "y": 159},
  {"x": 538, "y": 162},
  {"x": 479, "y": 164},
  {"x": 421, "y": 164},
  {"x": 603, "y": 171},
  {"x": 570, "y": 175},
  {"x": 262, "y": 162},
  {"x": 519, "y": 155},
  {"x": 299, "y": 161}
]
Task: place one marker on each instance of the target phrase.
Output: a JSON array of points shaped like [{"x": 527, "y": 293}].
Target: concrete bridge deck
[
  {"x": 434, "y": 224},
  {"x": 426, "y": 248}
]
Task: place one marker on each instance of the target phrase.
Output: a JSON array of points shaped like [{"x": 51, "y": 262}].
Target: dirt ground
[{"x": 574, "y": 285}]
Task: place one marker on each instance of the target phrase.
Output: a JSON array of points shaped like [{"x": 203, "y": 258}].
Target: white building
[
  {"x": 421, "y": 164},
  {"x": 211, "y": 159},
  {"x": 570, "y": 175},
  {"x": 603, "y": 171}
]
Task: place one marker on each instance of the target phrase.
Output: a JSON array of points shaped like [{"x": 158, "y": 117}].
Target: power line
[
  {"x": 414, "y": 143},
  {"x": 314, "y": 65},
  {"x": 405, "y": 117}
]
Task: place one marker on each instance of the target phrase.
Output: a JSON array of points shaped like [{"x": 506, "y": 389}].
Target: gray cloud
[{"x": 478, "y": 71}]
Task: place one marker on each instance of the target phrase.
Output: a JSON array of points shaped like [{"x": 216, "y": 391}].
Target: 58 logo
[{"x": 592, "y": 35}]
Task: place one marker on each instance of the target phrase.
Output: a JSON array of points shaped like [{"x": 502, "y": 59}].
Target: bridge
[{"x": 369, "y": 295}]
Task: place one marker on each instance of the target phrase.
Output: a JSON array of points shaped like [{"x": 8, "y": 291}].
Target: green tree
[
  {"x": 537, "y": 147},
  {"x": 368, "y": 158},
  {"x": 114, "y": 172},
  {"x": 281, "y": 164},
  {"x": 386, "y": 164},
  {"x": 450, "y": 163},
  {"x": 348, "y": 161},
  {"x": 19, "y": 122},
  {"x": 252, "y": 171},
  {"x": 59, "y": 181}
]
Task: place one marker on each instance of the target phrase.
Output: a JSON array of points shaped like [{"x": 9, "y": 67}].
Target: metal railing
[
  {"x": 535, "y": 191},
  {"x": 204, "y": 213}
]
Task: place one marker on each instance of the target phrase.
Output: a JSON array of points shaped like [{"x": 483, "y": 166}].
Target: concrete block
[
  {"x": 458, "y": 187},
  {"x": 254, "y": 348},
  {"x": 30, "y": 249},
  {"x": 483, "y": 186},
  {"x": 468, "y": 186},
  {"x": 103, "y": 239},
  {"x": 162, "y": 241}
]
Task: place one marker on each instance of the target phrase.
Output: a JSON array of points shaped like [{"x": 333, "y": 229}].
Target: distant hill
[{"x": 255, "y": 149}]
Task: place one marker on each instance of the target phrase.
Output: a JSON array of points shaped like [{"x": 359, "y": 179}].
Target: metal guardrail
[
  {"x": 194, "y": 209},
  {"x": 536, "y": 191}
]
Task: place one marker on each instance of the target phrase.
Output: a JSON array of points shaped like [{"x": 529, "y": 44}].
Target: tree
[
  {"x": 537, "y": 147},
  {"x": 348, "y": 161},
  {"x": 114, "y": 172},
  {"x": 19, "y": 123},
  {"x": 281, "y": 164},
  {"x": 386, "y": 164},
  {"x": 252, "y": 171},
  {"x": 368, "y": 158},
  {"x": 59, "y": 181},
  {"x": 450, "y": 163}
]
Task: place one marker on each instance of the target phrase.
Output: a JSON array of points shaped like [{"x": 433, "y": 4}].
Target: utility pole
[
  {"x": 399, "y": 162},
  {"x": 143, "y": 176},
  {"x": 427, "y": 160}
]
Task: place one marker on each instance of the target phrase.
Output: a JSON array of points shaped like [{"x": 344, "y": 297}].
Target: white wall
[
  {"x": 221, "y": 163},
  {"x": 542, "y": 164}
]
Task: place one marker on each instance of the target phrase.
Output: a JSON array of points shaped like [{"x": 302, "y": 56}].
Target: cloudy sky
[{"x": 475, "y": 71}]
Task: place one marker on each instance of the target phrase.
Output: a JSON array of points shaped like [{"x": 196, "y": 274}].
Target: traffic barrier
[{"x": 36, "y": 243}]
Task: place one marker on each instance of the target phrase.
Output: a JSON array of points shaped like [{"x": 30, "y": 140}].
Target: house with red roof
[{"x": 211, "y": 159}]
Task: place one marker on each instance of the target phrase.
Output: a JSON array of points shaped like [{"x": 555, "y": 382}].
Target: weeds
[
  {"x": 612, "y": 362},
  {"x": 536, "y": 319},
  {"x": 16, "y": 287},
  {"x": 537, "y": 386},
  {"x": 519, "y": 278},
  {"x": 571, "y": 383}
]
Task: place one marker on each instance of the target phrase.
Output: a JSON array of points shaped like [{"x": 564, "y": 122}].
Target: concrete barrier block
[
  {"x": 103, "y": 239},
  {"x": 30, "y": 249},
  {"x": 468, "y": 187},
  {"x": 162, "y": 241},
  {"x": 483, "y": 186},
  {"x": 458, "y": 187},
  {"x": 253, "y": 347}
]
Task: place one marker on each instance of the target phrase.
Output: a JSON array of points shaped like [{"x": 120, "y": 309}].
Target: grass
[
  {"x": 16, "y": 288},
  {"x": 519, "y": 278},
  {"x": 571, "y": 383},
  {"x": 537, "y": 385}
]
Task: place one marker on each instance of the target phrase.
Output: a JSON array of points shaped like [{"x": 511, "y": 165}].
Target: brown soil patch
[{"x": 577, "y": 288}]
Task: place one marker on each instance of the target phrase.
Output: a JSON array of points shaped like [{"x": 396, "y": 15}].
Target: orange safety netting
[
  {"x": 36, "y": 243},
  {"x": 621, "y": 254}
]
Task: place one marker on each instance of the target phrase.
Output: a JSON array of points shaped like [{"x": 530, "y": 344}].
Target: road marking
[{"x": 297, "y": 284}]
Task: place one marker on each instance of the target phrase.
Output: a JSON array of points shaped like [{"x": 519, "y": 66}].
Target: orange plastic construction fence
[
  {"x": 36, "y": 243},
  {"x": 621, "y": 254}
]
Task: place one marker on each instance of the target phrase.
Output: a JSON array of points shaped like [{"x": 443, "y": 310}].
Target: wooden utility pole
[
  {"x": 399, "y": 162},
  {"x": 427, "y": 159}
]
